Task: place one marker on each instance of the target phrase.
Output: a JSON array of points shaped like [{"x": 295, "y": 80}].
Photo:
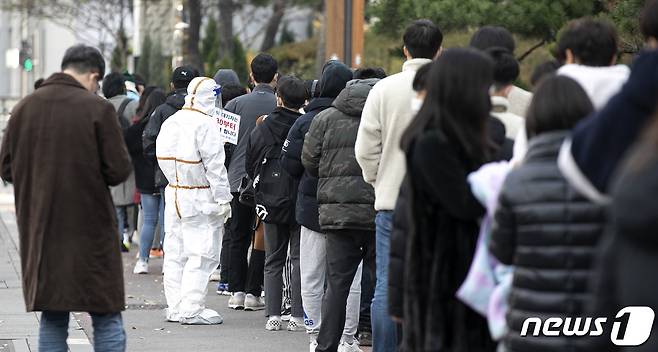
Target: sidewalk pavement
[
  {"x": 143, "y": 318},
  {"x": 19, "y": 330}
]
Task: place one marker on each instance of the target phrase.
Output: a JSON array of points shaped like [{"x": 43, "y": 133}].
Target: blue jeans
[
  {"x": 151, "y": 209},
  {"x": 161, "y": 216},
  {"x": 109, "y": 335},
  {"x": 122, "y": 218},
  {"x": 384, "y": 335}
]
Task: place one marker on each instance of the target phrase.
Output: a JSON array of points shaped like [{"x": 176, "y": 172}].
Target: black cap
[{"x": 184, "y": 74}]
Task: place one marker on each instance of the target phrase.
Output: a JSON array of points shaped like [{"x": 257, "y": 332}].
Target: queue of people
[{"x": 436, "y": 209}]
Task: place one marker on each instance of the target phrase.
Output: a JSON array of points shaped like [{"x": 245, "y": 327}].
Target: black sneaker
[{"x": 365, "y": 338}]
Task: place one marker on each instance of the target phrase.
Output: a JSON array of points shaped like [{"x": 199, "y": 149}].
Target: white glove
[{"x": 225, "y": 211}]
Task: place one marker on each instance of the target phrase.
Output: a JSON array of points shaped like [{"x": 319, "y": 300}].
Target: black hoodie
[
  {"x": 174, "y": 102},
  {"x": 335, "y": 76}
]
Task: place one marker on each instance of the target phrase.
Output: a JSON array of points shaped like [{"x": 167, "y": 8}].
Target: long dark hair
[
  {"x": 559, "y": 103},
  {"x": 142, "y": 99},
  {"x": 457, "y": 101},
  {"x": 156, "y": 98}
]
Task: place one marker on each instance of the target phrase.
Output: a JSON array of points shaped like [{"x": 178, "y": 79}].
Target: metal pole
[{"x": 348, "y": 33}]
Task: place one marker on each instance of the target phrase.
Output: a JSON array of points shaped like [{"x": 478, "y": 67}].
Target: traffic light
[{"x": 25, "y": 56}]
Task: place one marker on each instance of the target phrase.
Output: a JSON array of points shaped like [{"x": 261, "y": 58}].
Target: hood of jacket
[
  {"x": 546, "y": 145},
  {"x": 201, "y": 96},
  {"x": 225, "y": 76},
  {"x": 335, "y": 76},
  {"x": 177, "y": 98},
  {"x": 600, "y": 83},
  {"x": 353, "y": 98},
  {"x": 280, "y": 121}
]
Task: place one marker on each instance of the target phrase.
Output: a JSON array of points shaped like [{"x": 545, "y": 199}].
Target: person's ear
[
  {"x": 279, "y": 101},
  {"x": 251, "y": 77},
  {"x": 570, "y": 58},
  {"x": 171, "y": 85},
  {"x": 275, "y": 79},
  {"x": 406, "y": 52}
]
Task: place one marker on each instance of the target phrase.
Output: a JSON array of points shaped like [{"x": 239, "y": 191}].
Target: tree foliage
[
  {"x": 145, "y": 58},
  {"x": 527, "y": 17},
  {"x": 209, "y": 46}
]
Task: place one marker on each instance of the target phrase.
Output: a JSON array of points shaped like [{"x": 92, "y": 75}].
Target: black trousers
[
  {"x": 240, "y": 232},
  {"x": 345, "y": 250}
]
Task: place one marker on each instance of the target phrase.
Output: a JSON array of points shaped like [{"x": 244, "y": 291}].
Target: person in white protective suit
[{"x": 190, "y": 153}]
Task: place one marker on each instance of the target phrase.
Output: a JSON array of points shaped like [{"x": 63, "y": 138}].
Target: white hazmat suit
[{"x": 190, "y": 153}]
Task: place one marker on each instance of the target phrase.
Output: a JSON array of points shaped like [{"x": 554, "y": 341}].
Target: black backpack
[{"x": 275, "y": 191}]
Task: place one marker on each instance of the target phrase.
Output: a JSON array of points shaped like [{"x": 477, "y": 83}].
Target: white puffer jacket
[{"x": 190, "y": 152}]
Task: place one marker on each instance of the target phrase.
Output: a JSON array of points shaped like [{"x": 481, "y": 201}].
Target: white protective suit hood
[{"x": 202, "y": 93}]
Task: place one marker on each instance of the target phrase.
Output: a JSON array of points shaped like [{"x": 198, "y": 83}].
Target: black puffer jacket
[
  {"x": 550, "y": 233},
  {"x": 174, "y": 102},
  {"x": 334, "y": 77},
  {"x": 346, "y": 200}
]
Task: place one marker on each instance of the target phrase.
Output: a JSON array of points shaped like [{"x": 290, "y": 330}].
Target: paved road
[
  {"x": 147, "y": 330},
  {"x": 143, "y": 318}
]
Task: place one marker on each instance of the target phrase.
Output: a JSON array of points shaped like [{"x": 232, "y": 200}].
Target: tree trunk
[
  {"x": 279, "y": 9},
  {"x": 226, "y": 11},
  {"x": 192, "y": 55},
  {"x": 320, "y": 55}
]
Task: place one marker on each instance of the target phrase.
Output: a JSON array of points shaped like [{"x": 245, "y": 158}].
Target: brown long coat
[{"x": 61, "y": 149}]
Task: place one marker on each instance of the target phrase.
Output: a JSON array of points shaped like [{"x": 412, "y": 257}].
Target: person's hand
[{"x": 225, "y": 211}]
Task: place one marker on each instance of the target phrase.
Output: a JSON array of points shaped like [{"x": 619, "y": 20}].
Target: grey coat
[
  {"x": 250, "y": 107},
  {"x": 346, "y": 200},
  {"x": 124, "y": 193}
]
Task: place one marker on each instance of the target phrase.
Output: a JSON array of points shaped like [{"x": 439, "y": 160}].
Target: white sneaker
[
  {"x": 214, "y": 276},
  {"x": 349, "y": 347},
  {"x": 296, "y": 324},
  {"x": 206, "y": 317},
  {"x": 253, "y": 303},
  {"x": 273, "y": 323},
  {"x": 312, "y": 346},
  {"x": 141, "y": 267},
  {"x": 236, "y": 301}
]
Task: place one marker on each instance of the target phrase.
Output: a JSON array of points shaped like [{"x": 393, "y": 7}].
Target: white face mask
[{"x": 416, "y": 104}]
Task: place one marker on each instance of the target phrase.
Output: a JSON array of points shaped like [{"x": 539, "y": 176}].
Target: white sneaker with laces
[
  {"x": 349, "y": 347},
  {"x": 215, "y": 276},
  {"x": 253, "y": 303},
  {"x": 141, "y": 267},
  {"x": 296, "y": 324},
  {"x": 236, "y": 301},
  {"x": 273, "y": 323}
]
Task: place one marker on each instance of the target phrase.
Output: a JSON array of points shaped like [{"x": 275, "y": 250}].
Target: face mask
[{"x": 416, "y": 104}]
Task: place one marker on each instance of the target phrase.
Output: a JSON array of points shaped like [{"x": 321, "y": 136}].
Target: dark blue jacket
[
  {"x": 306, "y": 212},
  {"x": 600, "y": 142},
  {"x": 335, "y": 76}
]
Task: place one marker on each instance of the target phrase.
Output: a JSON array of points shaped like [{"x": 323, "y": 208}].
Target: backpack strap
[{"x": 122, "y": 107}]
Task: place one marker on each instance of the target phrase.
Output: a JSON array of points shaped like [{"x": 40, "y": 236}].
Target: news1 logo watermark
[{"x": 631, "y": 326}]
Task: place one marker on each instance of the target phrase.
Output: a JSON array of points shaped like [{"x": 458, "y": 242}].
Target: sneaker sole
[
  {"x": 140, "y": 272},
  {"x": 253, "y": 309},
  {"x": 236, "y": 307}
]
